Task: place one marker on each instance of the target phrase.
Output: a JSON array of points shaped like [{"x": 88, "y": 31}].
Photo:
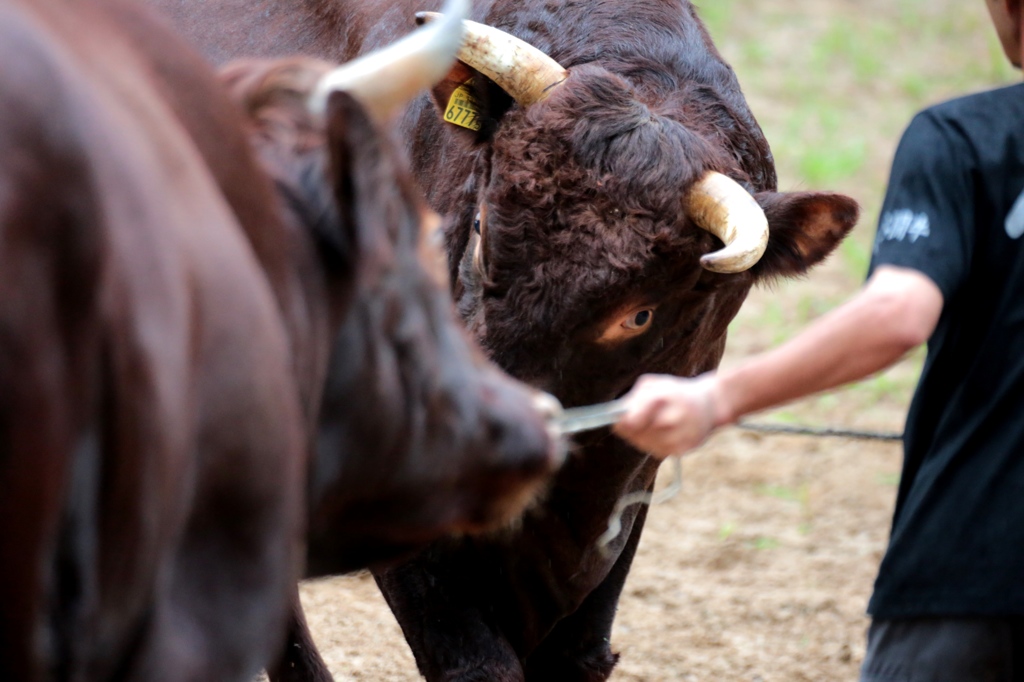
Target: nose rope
[{"x": 641, "y": 497}]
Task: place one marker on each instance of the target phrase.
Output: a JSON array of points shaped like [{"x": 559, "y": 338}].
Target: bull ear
[
  {"x": 360, "y": 166},
  {"x": 375, "y": 194},
  {"x": 804, "y": 228},
  {"x": 487, "y": 102}
]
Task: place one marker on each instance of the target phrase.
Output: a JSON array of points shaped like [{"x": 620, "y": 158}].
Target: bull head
[{"x": 716, "y": 203}]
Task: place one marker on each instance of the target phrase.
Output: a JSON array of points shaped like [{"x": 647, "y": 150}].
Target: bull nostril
[
  {"x": 530, "y": 445},
  {"x": 551, "y": 411}
]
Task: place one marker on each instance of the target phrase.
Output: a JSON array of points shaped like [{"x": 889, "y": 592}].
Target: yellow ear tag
[{"x": 463, "y": 109}]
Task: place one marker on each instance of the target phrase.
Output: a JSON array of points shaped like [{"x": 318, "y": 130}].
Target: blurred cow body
[
  {"x": 151, "y": 449},
  {"x": 416, "y": 436},
  {"x": 179, "y": 317},
  {"x": 582, "y": 254}
]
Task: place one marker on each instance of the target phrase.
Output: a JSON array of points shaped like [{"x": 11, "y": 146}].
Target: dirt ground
[{"x": 758, "y": 570}]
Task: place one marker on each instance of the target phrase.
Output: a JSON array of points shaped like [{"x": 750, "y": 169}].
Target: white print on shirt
[
  {"x": 1015, "y": 221},
  {"x": 902, "y": 224}
]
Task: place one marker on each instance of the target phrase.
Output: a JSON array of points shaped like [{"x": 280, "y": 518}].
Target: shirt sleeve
[{"x": 927, "y": 216}]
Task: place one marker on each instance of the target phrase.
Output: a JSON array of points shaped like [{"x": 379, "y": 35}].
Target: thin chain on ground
[{"x": 819, "y": 431}]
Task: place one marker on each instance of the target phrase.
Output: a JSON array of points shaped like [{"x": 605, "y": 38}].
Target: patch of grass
[
  {"x": 886, "y": 386},
  {"x": 716, "y": 14},
  {"x": 883, "y": 386},
  {"x": 908, "y": 15},
  {"x": 786, "y": 417},
  {"x": 756, "y": 53},
  {"x": 809, "y": 307},
  {"x": 889, "y": 479},
  {"x": 764, "y": 542},
  {"x": 829, "y": 165},
  {"x": 771, "y": 318},
  {"x": 841, "y": 49},
  {"x": 915, "y": 86},
  {"x": 726, "y": 530},
  {"x": 856, "y": 258},
  {"x": 800, "y": 495},
  {"x": 781, "y": 492},
  {"x": 804, "y": 307},
  {"x": 826, "y": 402}
]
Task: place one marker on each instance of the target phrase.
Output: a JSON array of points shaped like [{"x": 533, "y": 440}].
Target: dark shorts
[{"x": 945, "y": 650}]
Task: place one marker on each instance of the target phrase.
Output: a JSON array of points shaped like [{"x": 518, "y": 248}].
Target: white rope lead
[{"x": 642, "y": 497}]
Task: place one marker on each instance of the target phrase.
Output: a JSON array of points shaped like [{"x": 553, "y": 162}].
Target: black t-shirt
[{"x": 954, "y": 211}]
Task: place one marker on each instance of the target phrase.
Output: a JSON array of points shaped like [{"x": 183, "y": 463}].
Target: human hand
[{"x": 667, "y": 415}]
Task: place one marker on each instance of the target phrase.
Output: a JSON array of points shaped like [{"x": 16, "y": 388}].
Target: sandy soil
[{"x": 758, "y": 570}]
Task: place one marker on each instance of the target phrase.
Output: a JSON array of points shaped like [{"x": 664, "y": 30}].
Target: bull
[
  {"x": 190, "y": 297},
  {"x": 609, "y": 201}
]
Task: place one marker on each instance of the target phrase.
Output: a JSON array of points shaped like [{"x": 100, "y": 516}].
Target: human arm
[{"x": 896, "y": 311}]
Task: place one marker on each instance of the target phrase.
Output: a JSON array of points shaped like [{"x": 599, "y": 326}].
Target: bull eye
[
  {"x": 638, "y": 320},
  {"x": 622, "y": 327},
  {"x": 476, "y": 223}
]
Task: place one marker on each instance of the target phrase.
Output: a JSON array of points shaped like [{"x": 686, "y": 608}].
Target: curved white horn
[
  {"x": 718, "y": 204},
  {"x": 520, "y": 69},
  {"x": 386, "y": 79}
]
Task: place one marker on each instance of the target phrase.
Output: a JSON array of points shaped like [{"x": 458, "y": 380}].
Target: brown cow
[
  {"x": 614, "y": 154},
  {"x": 151, "y": 449},
  {"x": 151, "y": 459}
]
